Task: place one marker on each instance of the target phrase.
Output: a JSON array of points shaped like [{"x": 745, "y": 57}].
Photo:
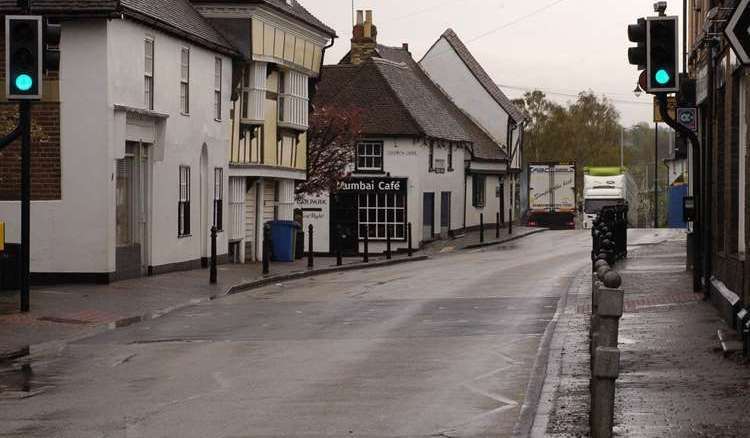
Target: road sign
[
  {"x": 688, "y": 117},
  {"x": 737, "y": 31},
  {"x": 671, "y": 107}
]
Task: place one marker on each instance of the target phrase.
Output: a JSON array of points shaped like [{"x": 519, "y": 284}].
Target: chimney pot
[
  {"x": 405, "y": 46},
  {"x": 360, "y": 17},
  {"x": 368, "y": 14}
]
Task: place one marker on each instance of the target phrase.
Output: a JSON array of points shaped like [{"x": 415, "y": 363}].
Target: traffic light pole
[
  {"x": 656, "y": 175},
  {"x": 25, "y": 119}
]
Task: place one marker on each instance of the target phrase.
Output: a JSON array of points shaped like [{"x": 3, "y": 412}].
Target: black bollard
[
  {"x": 388, "y": 242},
  {"x": 408, "y": 229},
  {"x": 497, "y": 226},
  {"x": 310, "y": 248},
  {"x": 266, "y": 253},
  {"x": 510, "y": 221},
  {"x": 481, "y": 227},
  {"x": 339, "y": 246},
  {"x": 213, "y": 255},
  {"x": 366, "y": 256}
]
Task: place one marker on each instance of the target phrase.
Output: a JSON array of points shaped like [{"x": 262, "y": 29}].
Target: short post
[
  {"x": 310, "y": 248},
  {"x": 606, "y": 370},
  {"x": 388, "y": 242},
  {"x": 213, "y": 274},
  {"x": 497, "y": 226},
  {"x": 408, "y": 229},
  {"x": 266, "y": 252},
  {"x": 510, "y": 221},
  {"x": 481, "y": 227},
  {"x": 366, "y": 256},
  {"x": 339, "y": 247}
]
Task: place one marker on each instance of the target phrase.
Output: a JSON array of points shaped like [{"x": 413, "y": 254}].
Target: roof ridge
[{"x": 478, "y": 71}]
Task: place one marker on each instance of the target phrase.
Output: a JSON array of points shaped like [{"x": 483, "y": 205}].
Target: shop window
[
  {"x": 380, "y": 213},
  {"x": 370, "y": 156},
  {"x": 478, "y": 191}
]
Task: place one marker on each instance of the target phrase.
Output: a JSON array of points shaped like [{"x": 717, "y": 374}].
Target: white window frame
[
  {"x": 185, "y": 80},
  {"x": 371, "y": 155},
  {"x": 183, "y": 215},
  {"x": 218, "y": 73},
  {"x": 149, "y": 50},
  {"x": 381, "y": 210}
]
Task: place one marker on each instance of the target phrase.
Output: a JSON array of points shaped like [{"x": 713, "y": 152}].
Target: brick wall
[{"x": 45, "y": 147}]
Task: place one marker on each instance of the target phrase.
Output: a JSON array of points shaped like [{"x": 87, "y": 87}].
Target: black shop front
[{"x": 368, "y": 206}]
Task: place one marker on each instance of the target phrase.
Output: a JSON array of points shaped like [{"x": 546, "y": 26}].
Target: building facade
[
  {"x": 493, "y": 173},
  {"x": 412, "y": 160},
  {"x": 284, "y": 46},
  {"x": 722, "y": 98},
  {"x": 129, "y": 151}
]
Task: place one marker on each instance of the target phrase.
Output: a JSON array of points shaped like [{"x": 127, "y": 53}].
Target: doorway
[
  {"x": 445, "y": 215},
  {"x": 131, "y": 190},
  {"x": 344, "y": 209},
  {"x": 428, "y": 217}
]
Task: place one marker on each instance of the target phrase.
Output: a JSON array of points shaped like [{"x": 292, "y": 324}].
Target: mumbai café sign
[{"x": 373, "y": 185}]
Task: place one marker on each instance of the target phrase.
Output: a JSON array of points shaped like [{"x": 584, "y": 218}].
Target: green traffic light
[
  {"x": 662, "y": 77},
  {"x": 24, "y": 82}
]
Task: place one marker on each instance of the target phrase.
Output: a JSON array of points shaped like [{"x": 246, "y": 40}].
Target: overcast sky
[{"x": 560, "y": 46}]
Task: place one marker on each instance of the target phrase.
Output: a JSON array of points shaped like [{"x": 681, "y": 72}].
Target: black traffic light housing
[
  {"x": 662, "y": 55},
  {"x": 637, "y": 34},
  {"x": 52, "y": 34},
  {"x": 23, "y": 59}
]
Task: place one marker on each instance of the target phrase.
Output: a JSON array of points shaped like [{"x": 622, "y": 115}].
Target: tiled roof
[
  {"x": 181, "y": 16},
  {"x": 295, "y": 9},
  {"x": 440, "y": 103},
  {"x": 173, "y": 16},
  {"x": 472, "y": 64},
  {"x": 398, "y": 98}
]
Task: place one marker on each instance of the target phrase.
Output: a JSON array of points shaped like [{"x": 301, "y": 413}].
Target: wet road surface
[{"x": 444, "y": 347}]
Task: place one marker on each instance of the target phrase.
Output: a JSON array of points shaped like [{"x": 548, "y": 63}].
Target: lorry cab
[{"x": 597, "y": 198}]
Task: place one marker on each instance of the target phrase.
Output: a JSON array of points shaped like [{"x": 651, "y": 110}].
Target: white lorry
[
  {"x": 552, "y": 195},
  {"x": 608, "y": 186}
]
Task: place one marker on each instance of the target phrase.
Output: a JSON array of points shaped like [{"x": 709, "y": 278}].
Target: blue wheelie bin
[{"x": 283, "y": 237}]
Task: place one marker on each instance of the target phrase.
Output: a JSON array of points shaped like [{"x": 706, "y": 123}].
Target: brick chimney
[{"x": 365, "y": 39}]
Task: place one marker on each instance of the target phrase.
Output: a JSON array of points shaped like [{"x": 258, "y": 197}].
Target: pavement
[
  {"x": 674, "y": 379},
  {"x": 444, "y": 347},
  {"x": 66, "y": 312}
]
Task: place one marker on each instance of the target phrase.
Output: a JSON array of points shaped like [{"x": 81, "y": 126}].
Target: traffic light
[
  {"x": 662, "y": 55},
  {"x": 637, "y": 34},
  {"x": 23, "y": 61},
  {"x": 52, "y": 34}
]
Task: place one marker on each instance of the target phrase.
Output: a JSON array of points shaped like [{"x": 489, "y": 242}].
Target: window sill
[
  {"x": 184, "y": 114},
  {"x": 218, "y": 120},
  {"x": 184, "y": 236},
  {"x": 369, "y": 172}
]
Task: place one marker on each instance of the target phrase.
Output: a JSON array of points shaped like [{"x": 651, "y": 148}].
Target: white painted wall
[
  {"x": 445, "y": 67},
  {"x": 184, "y": 135},
  {"x": 320, "y": 220},
  {"x": 71, "y": 235},
  {"x": 102, "y": 65},
  {"x": 492, "y": 202}
]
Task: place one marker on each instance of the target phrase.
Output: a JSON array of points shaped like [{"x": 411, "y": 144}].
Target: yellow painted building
[{"x": 283, "y": 46}]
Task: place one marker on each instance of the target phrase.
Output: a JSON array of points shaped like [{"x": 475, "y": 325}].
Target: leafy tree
[{"x": 331, "y": 138}]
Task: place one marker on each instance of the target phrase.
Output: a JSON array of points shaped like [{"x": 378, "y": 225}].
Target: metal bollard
[
  {"x": 481, "y": 227},
  {"x": 510, "y": 221},
  {"x": 408, "y": 229},
  {"x": 310, "y": 248},
  {"x": 266, "y": 252},
  {"x": 497, "y": 226},
  {"x": 213, "y": 273},
  {"x": 366, "y": 255},
  {"x": 339, "y": 247},
  {"x": 387, "y": 242},
  {"x": 606, "y": 370}
]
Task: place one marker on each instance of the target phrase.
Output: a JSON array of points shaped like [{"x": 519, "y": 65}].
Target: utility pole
[{"x": 656, "y": 175}]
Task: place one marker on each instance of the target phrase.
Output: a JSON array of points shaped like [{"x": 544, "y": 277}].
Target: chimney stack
[
  {"x": 364, "y": 39},
  {"x": 405, "y": 46}
]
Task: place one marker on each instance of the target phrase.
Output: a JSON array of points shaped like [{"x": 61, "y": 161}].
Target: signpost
[{"x": 737, "y": 32}]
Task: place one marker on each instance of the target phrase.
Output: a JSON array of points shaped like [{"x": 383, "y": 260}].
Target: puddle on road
[{"x": 16, "y": 379}]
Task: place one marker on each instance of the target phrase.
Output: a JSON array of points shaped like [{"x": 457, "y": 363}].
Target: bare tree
[{"x": 332, "y": 138}]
